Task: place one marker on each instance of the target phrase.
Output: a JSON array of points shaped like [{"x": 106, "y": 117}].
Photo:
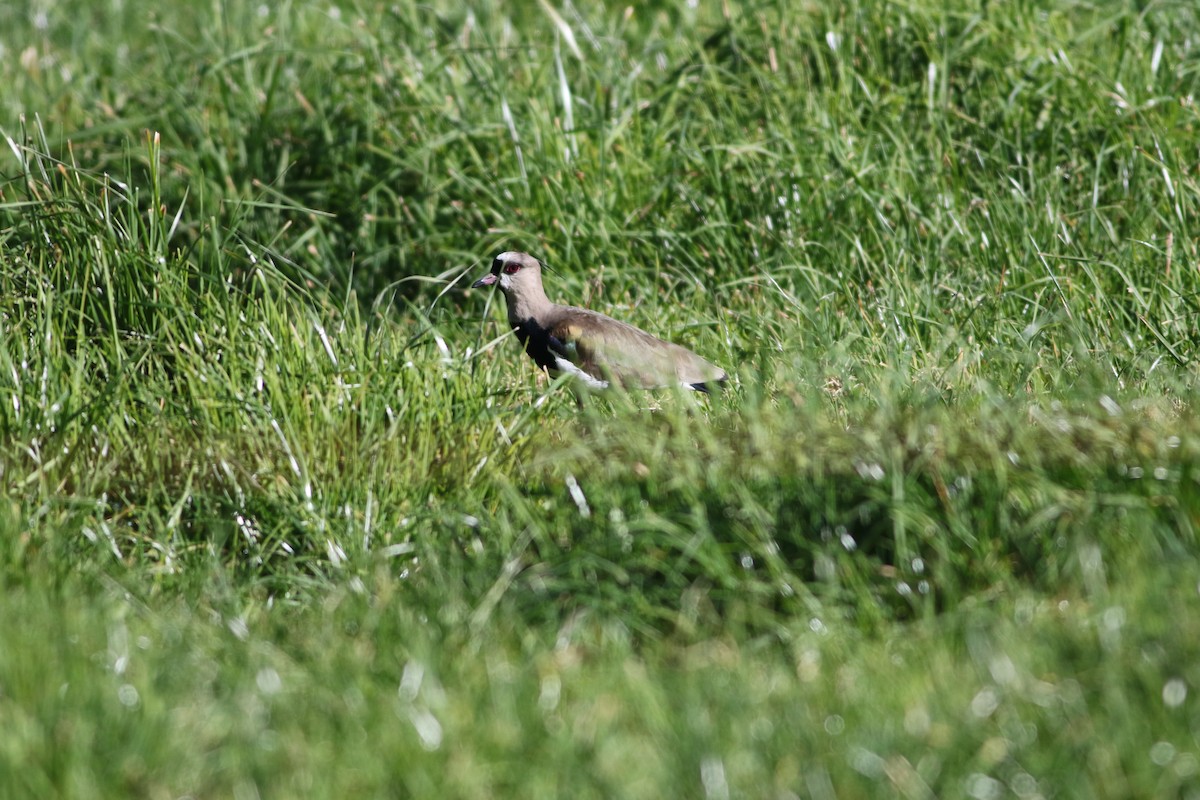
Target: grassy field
[{"x": 287, "y": 512}]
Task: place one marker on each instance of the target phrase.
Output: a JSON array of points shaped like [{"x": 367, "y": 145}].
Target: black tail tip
[{"x": 708, "y": 386}]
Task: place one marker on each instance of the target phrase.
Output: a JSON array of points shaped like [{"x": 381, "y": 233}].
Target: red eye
[{"x": 511, "y": 268}]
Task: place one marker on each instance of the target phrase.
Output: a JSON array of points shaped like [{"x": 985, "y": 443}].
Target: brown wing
[{"x": 608, "y": 349}]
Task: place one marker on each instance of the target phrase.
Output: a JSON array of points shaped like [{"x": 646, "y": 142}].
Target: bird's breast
[{"x": 536, "y": 341}]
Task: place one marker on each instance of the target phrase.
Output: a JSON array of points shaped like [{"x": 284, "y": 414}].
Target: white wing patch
[{"x": 567, "y": 368}]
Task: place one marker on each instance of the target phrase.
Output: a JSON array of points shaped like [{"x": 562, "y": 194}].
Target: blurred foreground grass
[{"x": 286, "y": 513}]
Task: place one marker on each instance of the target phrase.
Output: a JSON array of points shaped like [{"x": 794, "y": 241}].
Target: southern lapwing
[{"x": 597, "y": 350}]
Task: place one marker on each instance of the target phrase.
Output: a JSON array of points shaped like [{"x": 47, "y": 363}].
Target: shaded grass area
[
  {"x": 287, "y": 513},
  {"x": 361, "y": 692}
]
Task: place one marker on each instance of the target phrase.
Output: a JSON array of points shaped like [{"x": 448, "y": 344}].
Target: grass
[{"x": 287, "y": 513}]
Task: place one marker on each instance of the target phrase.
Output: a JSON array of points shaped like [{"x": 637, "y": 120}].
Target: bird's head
[{"x": 515, "y": 273}]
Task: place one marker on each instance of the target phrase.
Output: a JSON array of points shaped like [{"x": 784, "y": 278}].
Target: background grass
[{"x": 288, "y": 514}]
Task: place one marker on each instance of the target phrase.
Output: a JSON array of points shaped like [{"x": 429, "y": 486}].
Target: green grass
[{"x": 288, "y": 514}]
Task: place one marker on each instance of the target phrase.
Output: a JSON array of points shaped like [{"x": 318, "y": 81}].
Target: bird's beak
[{"x": 486, "y": 280}]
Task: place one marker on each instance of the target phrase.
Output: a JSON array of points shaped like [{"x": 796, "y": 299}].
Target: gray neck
[{"x": 528, "y": 305}]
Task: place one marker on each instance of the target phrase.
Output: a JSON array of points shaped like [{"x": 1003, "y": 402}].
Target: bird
[{"x": 597, "y": 350}]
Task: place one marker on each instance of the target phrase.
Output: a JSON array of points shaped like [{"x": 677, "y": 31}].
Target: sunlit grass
[{"x": 288, "y": 513}]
